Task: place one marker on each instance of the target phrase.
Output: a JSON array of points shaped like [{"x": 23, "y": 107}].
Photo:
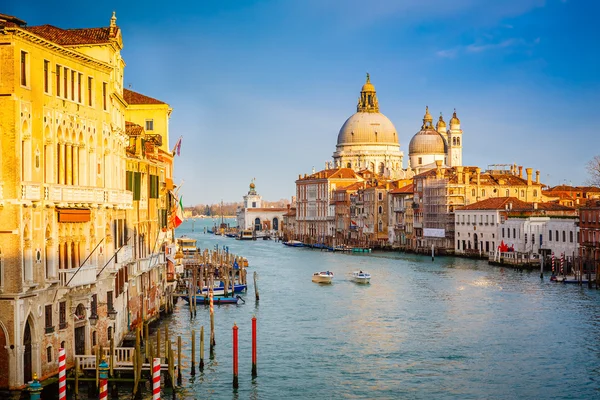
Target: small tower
[
  {"x": 455, "y": 142},
  {"x": 441, "y": 128},
  {"x": 367, "y": 102},
  {"x": 252, "y": 199}
]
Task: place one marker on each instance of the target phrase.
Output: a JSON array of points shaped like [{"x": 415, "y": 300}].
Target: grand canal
[{"x": 451, "y": 328}]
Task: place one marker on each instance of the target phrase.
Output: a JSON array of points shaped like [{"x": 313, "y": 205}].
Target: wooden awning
[{"x": 73, "y": 215}]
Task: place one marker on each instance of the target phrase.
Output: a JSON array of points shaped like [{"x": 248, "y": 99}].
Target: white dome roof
[
  {"x": 368, "y": 127},
  {"x": 427, "y": 141}
]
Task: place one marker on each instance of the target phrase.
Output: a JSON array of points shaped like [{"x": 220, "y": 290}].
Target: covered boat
[{"x": 294, "y": 243}]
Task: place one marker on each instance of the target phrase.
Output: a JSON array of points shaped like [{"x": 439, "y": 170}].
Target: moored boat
[
  {"x": 294, "y": 243},
  {"x": 201, "y": 299},
  {"x": 246, "y": 234},
  {"x": 322, "y": 277},
  {"x": 361, "y": 277}
]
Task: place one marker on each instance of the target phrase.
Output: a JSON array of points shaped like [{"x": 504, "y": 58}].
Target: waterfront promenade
[{"x": 453, "y": 328}]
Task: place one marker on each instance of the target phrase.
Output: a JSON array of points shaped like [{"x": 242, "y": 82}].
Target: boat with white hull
[
  {"x": 322, "y": 277},
  {"x": 361, "y": 277}
]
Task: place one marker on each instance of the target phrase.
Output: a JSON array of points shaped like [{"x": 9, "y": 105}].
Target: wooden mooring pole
[
  {"x": 202, "y": 348},
  {"x": 256, "y": 287},
  {"x": 193, "y": 353},
  {"x": 179, "y": 360}
]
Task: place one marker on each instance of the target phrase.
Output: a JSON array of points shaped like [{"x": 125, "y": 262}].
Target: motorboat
[
  {"x": 247, "y": 234},
  {"x": 322, "y": 277},
  {"x": 361, "y": 277}
]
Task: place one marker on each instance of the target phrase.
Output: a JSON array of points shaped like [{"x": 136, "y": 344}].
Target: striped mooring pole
[
  {"x": 103, "y": 375},
  {"x": 552, "y": 263},
  {"x": 62, "y": 375},
  {"x": 562, "y": 263},
  {"x": 156, "y": 379}
]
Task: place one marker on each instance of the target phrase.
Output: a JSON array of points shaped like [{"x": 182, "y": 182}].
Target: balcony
[
  {"x": 80, "y": 194},
  {"x": 31, "y": 191},
  {"x": 71, "y": 278}
]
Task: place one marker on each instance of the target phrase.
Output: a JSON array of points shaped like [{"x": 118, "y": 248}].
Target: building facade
[
  {"x": 67, "y": 213},
  {"x": 257, "y": 218}
]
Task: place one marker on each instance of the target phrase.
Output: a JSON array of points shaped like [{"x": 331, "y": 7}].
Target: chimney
[
  {"x": 520, "y": 171},
  {"x": 537, "y": 176},
  {"x": 528, "y": 171},
  {"x": 459, "y": 172},
  {"x": 478, "y": 170}
]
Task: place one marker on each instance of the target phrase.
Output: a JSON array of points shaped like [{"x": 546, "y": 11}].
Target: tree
[{"x": 593, "y": 168}]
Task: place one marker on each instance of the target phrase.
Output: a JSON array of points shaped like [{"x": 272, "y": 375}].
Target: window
[
  {"x": 502, "y": 232},
  {"x": 508, "y": 231},
  {"x": 49, "y": 326},
  {"x": 49, "y": 353},
  {"x": 66, "y": 82},
  {"x": 73, "y": 75},
  {"x": 46, "y": 76},
  {"x": 483, "y": 192},
  {"x": 532, "y": 238},
  {"x": 62, "y": 315},
  {"x": 473, "y": 192},
  {"x": 109, "y": 300},
  {"x": 514, "y": 233},
  {"x": 550, "y": 235},
  {"x": 149, "y": 124},
  {"x": 104, "y": 95},
  {"x": 380, "y": 196},
  {"x": 94, "y": 307},
  {"x": 522, "y": 193},
  {"x": 380, "y": 210},
  {"x": 564, "y": 235},
  {"x": 507, "y": 193},
  {"x": 557, "y": 237},
  {"x": 58, "y": 69},
  {"x": 24, "y": 67},
  {"x": 420, "y": 160},
  {"x": 90, "y": 83},
  {"x": 525, "y": 238},
  {"x": 571, "y": 236},
  {"x": 79, "y": 78}
]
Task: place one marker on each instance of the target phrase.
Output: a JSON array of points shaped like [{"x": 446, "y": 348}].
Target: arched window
[
  {"x": 381, "y": 168},
  {"x": 275, "y": 224},
  {"x": 380, "y": 226},
  {"x": 349, "y": 165},
  {"x": 571, "y": 236},
  {"x": 522, "y": 193},
  {"x": 507, "y": 193},
  {"x": 534, "y": 193},
  {"x": 473, "y": 192},
  {"x": 458, "y": 141},
  {"x": 257, "y": 224},
  {"x": 483, "y": 192},
  {"x": 380, "y": 210}
]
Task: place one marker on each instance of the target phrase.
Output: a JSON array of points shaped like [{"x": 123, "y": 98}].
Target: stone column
[
  {"x": 76, "y": 164},
  {"x": 61, "y": 163},
  {"x": 69, "y": 164}
]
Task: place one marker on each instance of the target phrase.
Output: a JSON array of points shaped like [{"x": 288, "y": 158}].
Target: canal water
[{"x": 446, "y": 329}]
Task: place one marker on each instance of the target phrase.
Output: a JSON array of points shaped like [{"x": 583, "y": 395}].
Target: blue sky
[{"x": 260, "y": 89}]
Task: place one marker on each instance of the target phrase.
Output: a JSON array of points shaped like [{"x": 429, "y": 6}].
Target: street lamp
[
  {"x": 93, "y": 319},
  {"x": 112, "y": 314}
]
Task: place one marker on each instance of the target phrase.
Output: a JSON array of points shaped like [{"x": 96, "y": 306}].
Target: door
[
  {"x": 4, "y": 365},
  {"x": 475, "y": 242},
  {"x": 80, "y": 340},
  {"x": 27, "y": 375}
]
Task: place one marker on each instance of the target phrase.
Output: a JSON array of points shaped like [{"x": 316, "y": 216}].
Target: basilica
[{"x": 368, "y": 140}]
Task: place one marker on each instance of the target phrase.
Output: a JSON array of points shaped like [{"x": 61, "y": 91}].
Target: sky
[{"x": 260, "y": 89}]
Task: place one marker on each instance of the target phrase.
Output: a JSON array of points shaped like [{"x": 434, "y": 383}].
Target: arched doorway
[
  {"x": 4, "y": 364},
  {"x": 275, "y": 224},
  {"x": 27, "y": 361},
  {"x": 475, "y": 242},
  {"x": 80, "y": 317},
  {"x": 257, "y": 224}
]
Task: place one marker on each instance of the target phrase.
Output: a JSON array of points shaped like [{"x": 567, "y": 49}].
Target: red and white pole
[
  {"x": 553, "y": 262},
  {"x": 235, "y": 356},
  {"x": 62, "y": 375},
  {"x": 156, "y": 379},
  {"x": 562, "y": 263}
]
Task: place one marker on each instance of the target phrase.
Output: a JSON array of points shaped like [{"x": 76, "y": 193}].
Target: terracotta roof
[
  {"x": 9, "y": 20},
  {"x": 132, "y": 97},
  {"x": 514, "y": 204},
  {"x": 73, "y": 37},
  {"x": 133, "y": 129},
  {"x": 408, "y": 189}
]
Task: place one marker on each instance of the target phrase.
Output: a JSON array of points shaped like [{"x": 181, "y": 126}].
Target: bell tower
[{"x": 455, "y": 142}]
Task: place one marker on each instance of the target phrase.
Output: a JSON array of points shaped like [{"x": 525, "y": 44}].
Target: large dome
[
  {"x": 427, "y": 141},
  {"x": 368, "y": 127}
]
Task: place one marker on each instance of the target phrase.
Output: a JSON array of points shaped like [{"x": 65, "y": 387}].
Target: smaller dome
[
  {"x": 440, "y": 123},
  {"x": 427, "y": 141},
  {"x": 454, "y": 120}
]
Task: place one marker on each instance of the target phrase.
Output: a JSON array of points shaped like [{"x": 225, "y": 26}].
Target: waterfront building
[
  {"x": 571, "y": 196},
  {"x": 66, "y": 211},
  {"x": 369, "y": 140},
  {"x": 430, "y": 144},
  {"x": 400, "y": 226},
  {"x": 343, "y": 224},
  {"x": 437, "y": 192},
  {"x": 257, "y": 218},
  {"x": 289, "y": 223},
  {"x": 525, "y": 227},
  {"x": 589, "y": 238},
  {"x": 149, "y": 176},
  {"x": 315, "y": 219}
]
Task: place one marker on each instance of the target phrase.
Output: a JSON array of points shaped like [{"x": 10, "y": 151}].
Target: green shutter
[{"x": 137, "y": 185}]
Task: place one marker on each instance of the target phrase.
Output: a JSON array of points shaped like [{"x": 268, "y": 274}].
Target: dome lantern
[
  {"x": 454, "y": 121},
  {"x": 367, "y": 102}
]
